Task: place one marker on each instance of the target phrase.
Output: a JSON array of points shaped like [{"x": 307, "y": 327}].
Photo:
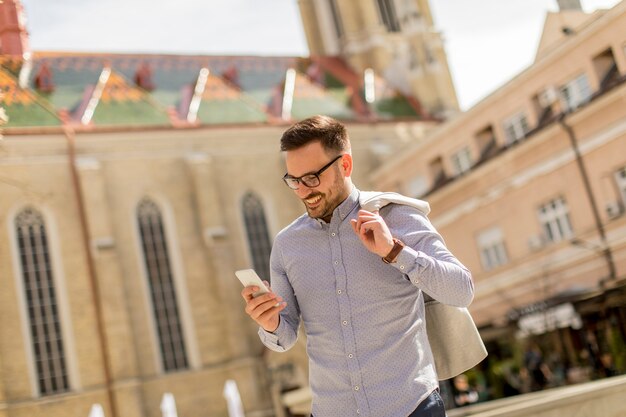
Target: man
[{"x": 364, "y": 316}]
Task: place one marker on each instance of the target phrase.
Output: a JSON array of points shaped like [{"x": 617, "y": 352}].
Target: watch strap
[{"x": 394, "y": 252}]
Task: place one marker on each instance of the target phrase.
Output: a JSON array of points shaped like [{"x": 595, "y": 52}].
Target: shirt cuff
[
  {"x": 407, "y": 260},
  {"x": 271, "y": 339}
]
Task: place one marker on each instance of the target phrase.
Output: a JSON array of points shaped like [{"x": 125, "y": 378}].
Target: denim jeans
[{"x": 432, "y": 406}]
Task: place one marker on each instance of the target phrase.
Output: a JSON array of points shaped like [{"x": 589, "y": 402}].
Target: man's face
[{"x": 335, "y": 185}]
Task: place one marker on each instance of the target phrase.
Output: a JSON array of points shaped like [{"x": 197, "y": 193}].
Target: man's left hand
[{"x": 373, "y": 232}]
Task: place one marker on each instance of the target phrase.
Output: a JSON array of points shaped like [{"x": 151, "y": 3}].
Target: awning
[{"x": 557, "y": 317}]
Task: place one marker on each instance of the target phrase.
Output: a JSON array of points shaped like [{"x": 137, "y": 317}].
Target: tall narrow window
[
  {"x": 575, "y": 93},
  {"x": 388, "y": 15},
  {"x": 462, "y": 160},
  {"x": 516, "y": 128},
  {"x": 437, "y": 172},
  {"x": 334, "y": 10},
  {"x": 41, "y": 298},
  {"x": 492, "y": 250},
  {"x": 162, "y": 289},
  {"x": 554, "y": 219},
  {"x": 258, "y": 235}
]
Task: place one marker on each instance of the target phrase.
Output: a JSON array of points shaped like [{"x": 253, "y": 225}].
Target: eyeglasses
[{"x": 311, "y": 180}]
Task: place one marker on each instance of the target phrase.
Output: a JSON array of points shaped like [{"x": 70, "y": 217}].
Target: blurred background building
[
  {"x": 133, "y": 185},
  {"x": 131, "y": 189},
  {"x": 528, "y": 188}
]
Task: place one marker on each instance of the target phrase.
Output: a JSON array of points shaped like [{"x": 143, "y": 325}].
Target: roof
[
  {"x": 24, "y": 107},
  {"x": 558, "y": 26},
  {"x": 173, "y": 90}
]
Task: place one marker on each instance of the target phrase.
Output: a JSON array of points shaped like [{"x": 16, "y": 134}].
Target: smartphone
[{"x": 249, "y": 277}]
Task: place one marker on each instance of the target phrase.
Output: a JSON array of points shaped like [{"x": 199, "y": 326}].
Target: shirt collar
[{"x": 347, "y": 205}]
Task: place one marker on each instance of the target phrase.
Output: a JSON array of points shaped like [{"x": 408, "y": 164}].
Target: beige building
[
  {"x": 396, "y": 39},
  {"x": 131, "y": 189},
  {"x": 528, "y": 188},
  {"x": 128, "y": 243}
]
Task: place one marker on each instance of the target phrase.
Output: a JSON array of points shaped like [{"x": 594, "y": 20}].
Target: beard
[{"x": 329, "y": 201}]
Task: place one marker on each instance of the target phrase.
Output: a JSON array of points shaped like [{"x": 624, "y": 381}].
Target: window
[
  {"x": 575, "y": 93},
  {"x": 437, "y": 172},
  {"x": 486, "y": 143},
  {"x": 334, "y": 10},
  {"x": 492, "y": 249},
  {"x": 257, "y": 233},
  {"x": 516, "y": 128},
  {"x": 162, "y": 290},
  {"x": 554, "y": 219},
  {"x": 620, "y": 179},
  {"x": 41, "y": 301},
  {"x": 606, "y": 69},
  {"x": 388, "y": 15},
  {"x": 462, "y": 161}
]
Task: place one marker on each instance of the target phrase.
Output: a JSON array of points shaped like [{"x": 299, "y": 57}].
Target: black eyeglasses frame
[{"x": 310, "y": 180}]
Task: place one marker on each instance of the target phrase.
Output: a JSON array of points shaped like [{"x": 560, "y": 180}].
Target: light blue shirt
[{"x": 366, "y": 333}]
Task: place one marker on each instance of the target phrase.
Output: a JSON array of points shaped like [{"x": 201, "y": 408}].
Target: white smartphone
[{"x": 249, "y": 277}]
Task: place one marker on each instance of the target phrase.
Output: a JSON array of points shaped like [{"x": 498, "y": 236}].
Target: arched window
[
  {"x": 258, "y": 235},
  {"x": 41, "y": 301},
  {"x": 162, "y": 289}
]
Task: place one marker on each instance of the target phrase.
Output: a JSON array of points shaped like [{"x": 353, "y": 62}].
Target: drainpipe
[
  {"x": 606, "y": 249},
  {"x": 91, "y": 269}
]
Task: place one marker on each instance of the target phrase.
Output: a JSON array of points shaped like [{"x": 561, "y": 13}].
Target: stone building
[
  {"x": 131, "y": 189},
  {"x": 396, "y": 39}
]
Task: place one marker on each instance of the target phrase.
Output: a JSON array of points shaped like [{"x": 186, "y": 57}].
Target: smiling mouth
[{"x": 311, "y": 201}]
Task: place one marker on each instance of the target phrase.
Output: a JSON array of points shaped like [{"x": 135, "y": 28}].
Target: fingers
[
  {"x": 366, "y": 221},
  {"x": 258, "y": 310},
  {"x": 272, "y": 312},
  {"x": 257, "y": 307}
]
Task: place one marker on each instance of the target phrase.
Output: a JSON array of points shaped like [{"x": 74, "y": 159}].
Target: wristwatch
[{"x": 394, "y": 252}]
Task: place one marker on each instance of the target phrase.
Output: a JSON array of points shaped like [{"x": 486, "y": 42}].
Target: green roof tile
[
  {"x": 23, "y": 107},
  {"x": 310, "y": 99},
  {"x": 222, "y": 103},
  {"x": 123, "y": 104}
]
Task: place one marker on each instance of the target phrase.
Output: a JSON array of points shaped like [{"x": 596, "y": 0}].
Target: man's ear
[{"x": 346, "y": 165}]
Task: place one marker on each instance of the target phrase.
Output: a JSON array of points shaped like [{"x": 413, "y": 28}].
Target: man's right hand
[{"x": 264, "y": 309}]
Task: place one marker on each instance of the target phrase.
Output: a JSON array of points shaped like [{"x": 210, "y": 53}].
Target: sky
[{"x": 487, "y": 41}]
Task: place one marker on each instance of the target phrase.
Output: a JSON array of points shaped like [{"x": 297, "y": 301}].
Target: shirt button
[
  {"x": 356, "y": 388},
  {"x": 401, "y": 266},
  {"x": 345, "y": 322},
  {"x": 336, "y": 262},
  {"x": 333, "y": 234},
  {"x": 350, "y": 355},
  {"x": 338, "y": 291},
  {"x": 358, "y": 411}
]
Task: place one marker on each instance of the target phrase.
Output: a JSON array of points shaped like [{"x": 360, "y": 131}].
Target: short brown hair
[{"x": 332, "y": 134}]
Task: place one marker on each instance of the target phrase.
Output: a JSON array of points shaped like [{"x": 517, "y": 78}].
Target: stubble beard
[{"x": 329, "y": 204}]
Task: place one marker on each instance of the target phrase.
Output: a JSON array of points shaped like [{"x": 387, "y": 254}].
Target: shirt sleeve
[
  {"x": 286, "y": 334},
  {"x": 426, "y": 261}
]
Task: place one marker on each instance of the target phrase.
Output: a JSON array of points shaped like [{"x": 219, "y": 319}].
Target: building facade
[
  {"x": 396, "y": 39},
  {"x": 131, "y": 189},
  {"x": 528, "y": 190}
]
